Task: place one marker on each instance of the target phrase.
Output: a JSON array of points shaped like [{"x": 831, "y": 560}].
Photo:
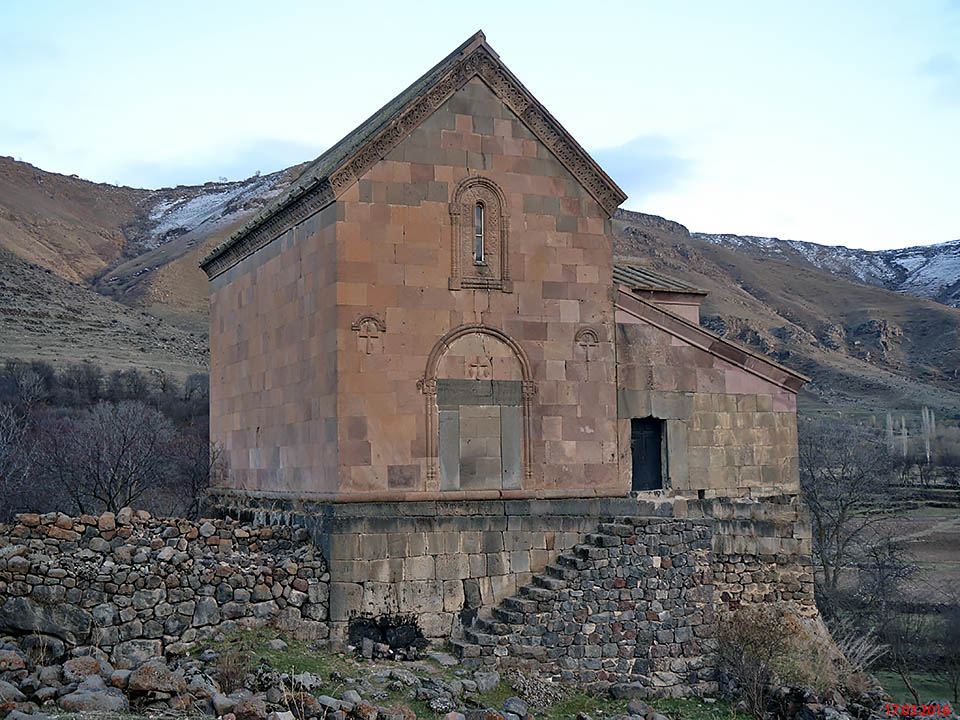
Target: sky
[{"x": 831, "y": 122}]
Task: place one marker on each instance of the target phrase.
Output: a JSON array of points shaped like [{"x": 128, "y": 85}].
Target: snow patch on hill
[
  {"x": 930, "y": 271},
  {"x": 182, "y": 210}
]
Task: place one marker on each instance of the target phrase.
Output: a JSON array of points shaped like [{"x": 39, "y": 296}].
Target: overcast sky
[{"x": 833, "y": 122}]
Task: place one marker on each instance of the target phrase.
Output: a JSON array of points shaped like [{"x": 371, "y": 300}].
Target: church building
[{"x": 427, "y": 341}]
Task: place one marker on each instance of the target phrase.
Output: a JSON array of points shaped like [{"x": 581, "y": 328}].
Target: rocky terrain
[{"x": 930, "y": 271}]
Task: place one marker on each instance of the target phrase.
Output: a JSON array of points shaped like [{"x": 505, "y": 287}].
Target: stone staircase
[{"x": 504, "y": 634}]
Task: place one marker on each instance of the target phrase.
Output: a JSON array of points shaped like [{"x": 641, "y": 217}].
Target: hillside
[
  {"x": 867, "y": 349},
  {"x": 43, "y": 316},
  {"x": 930, "y": 271},
  {"x": 111, "y": 273}
]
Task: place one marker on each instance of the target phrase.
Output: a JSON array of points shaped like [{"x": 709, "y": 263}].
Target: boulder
[
  {"x": 252, "y": 708},
  {"x": 515, "y": 705},
  {"x": 638, "y": 708},
  {"x": 486, "y": 681},
  {"x": 20, "y": 615},
  {"x": 154, "y": 676},
  {"x": 109, "y": 700},
  {"x": 11, "y": 661},
  {"x": 127, "y": 655},
  {"x": 10, "y": 694},
  {"x": 76, "y": 669}
]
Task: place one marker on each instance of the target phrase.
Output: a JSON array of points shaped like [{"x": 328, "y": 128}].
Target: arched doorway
[{"x": 478, "y": 390}]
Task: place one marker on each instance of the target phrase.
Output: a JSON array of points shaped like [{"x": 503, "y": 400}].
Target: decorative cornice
[
  {"x": 273, "y": 226},
  {"x": 317, "y": 193}
]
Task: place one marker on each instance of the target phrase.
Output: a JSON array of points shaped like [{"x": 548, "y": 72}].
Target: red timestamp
[{"x": 931, "y": 710}]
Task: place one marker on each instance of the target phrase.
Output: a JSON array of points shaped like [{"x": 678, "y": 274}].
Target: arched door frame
[{"x": 428, "y": 386}]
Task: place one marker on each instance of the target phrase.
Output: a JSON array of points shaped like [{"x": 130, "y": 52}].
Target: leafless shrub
[{"x": 751, "y": 642}]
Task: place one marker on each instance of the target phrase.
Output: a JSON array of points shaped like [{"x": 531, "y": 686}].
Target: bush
[{"x": 763, "y": 646}]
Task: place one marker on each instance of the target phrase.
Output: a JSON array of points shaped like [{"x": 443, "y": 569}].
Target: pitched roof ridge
[{"x": 339, "y": 167}]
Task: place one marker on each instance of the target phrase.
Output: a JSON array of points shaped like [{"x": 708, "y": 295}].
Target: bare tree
[
  {"x": 108, "y": 456},
  {"x": 197, "y": 464},
  {"x": 948, "y": 639},
  {"x": 844, "y": 475},
  {"x": 15, "y": 453}
]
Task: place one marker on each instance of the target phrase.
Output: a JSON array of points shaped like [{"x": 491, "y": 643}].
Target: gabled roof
[
  {"x": 331, "y": 174},
  {"x": 638, "y": 277},
  {"x": 733, "y": 353}
]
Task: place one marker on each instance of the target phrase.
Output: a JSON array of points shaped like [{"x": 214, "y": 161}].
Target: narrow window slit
[{"x": 478, "y": 234}]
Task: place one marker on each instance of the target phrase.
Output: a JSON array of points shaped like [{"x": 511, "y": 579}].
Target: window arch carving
[{"x": 479, "y": 251}]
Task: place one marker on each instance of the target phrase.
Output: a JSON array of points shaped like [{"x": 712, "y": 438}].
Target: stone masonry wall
[
  {"x": 632, "y": 607},
  {"x": 138, "y": 587},
  {"x": 435, "y": 562},
  {"x": 728, "y": 432}
]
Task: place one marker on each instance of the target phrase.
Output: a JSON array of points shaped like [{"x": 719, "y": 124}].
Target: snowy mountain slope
[{"x": 930, "y": 271}]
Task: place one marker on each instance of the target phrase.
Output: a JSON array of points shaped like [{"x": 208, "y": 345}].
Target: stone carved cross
[
  {"x": 369, "y": 333},
  {"x": 587, "y": 342},
  {"x": 479, "y": 368}
]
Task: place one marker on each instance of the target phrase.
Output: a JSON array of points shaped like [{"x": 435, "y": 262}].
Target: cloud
[
  {"x": 944, "y": 70},
  {"x": 645, "y": 165},
  {"x": 233, "y": 163}
]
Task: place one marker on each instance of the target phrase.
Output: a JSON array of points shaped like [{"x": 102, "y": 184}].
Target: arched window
[
  {"x": 479, "y": 243},
  {"x": 478, "y": 234}
]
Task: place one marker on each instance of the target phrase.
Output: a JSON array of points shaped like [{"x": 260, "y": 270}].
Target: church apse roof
[
  {"x": 638, "y": 277},
  {"x": 327, "y": 177}
]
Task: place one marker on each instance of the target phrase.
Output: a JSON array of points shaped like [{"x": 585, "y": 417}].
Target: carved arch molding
[
  {"x": 428, "y": 386},
  {"x": 494, "y": 272}
]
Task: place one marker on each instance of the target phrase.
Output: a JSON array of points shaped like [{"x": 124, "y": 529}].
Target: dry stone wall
[{"x": 137, "y": 586}]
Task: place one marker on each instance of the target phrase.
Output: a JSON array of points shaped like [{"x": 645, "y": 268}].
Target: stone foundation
[
  {"x": 437, "y": 562},
  {"x": 138, "y": 587}
]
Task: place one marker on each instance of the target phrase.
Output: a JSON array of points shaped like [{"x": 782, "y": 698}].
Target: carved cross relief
[
  {"x": 369, "y": 331},
  {"x": 479, "y": 368}
]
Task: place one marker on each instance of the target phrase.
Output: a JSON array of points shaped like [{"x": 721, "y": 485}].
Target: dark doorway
[{"x": 646, "y": 441}]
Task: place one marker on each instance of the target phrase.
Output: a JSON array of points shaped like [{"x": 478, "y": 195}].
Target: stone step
[
  {"x": 561, "y": 573},
  {"x": 603, "y": 540},
  {"x": 480, "y": 638},
  {"x": 550, "y": 583},
  {"x": 589, "y": 552},
  {"x": 537, "y": 593},
  {"x": 519, "y": 604},
  {"x": 616, "y": 528},
  {"x": 464, "y": 649},
  {"x": 491, "y": 626},
  {"x": 509, "y": 617},
  {"x": 571, "y": 561}
]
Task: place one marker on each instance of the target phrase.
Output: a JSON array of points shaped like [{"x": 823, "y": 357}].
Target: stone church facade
[{"x": 426, "y": 352}]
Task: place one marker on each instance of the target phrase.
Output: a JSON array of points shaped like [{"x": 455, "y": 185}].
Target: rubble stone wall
[{"x": 137, "y": 586}]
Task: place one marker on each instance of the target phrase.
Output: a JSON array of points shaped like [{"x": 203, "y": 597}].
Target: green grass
[
  {"x": 299, "y": 657},
  {"x": 928, "y": 686}
]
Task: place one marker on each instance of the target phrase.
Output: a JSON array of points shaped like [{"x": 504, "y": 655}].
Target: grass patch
[
  {"x": 696, "y": 709},
  {"x": 928, "y": 686}
]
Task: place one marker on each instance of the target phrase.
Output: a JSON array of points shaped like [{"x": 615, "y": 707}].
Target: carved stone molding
[
  {"x": 428, "y": 386},
  {"x": 316, "y": 193},
  {"x": 494, "y": 274},
  {"x": 261, "y": 232}
]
